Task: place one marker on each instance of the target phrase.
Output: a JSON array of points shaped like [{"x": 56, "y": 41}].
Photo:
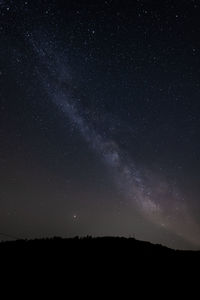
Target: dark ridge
[
  {"x": 104, "y": 244},
  {"x": 88, "y": 258}
]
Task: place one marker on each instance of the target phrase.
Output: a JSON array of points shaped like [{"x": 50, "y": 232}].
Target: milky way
[
  {"x": 156, "y": 199},
  {"x": 100, "y": 119}
]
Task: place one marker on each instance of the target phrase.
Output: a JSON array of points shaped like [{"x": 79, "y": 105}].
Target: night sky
[{"x": 100, "y": 119}]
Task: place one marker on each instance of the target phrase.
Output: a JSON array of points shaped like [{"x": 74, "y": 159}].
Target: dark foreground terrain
[
  {"x": 96, "y": 262},
  {"x": 86, "y": 248}
]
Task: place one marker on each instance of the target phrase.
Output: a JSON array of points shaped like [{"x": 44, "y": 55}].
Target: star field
[{"x": 99, "y": 119}]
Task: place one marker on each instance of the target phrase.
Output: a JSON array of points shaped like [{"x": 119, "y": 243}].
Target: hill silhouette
[
  {"x": 94, "y": 259},
  {"x": 89, "y": 246}
]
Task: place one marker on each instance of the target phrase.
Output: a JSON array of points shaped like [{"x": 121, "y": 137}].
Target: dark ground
[
  {"x": 91, "y": 266},
  {"x": 86, "y": 247}
]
